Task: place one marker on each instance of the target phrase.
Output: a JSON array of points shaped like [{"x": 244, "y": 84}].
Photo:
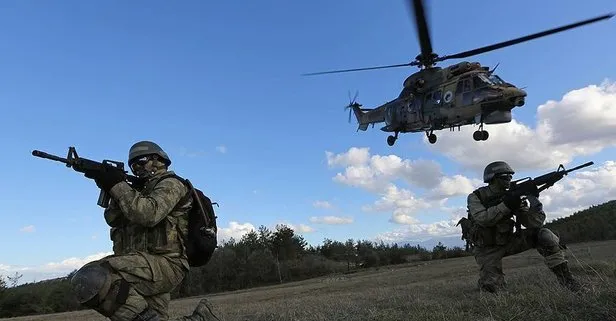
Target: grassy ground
[{"x": 436, "y": 290}]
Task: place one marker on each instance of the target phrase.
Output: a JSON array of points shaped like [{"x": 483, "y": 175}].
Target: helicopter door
[{"x": 464, "y": 93}]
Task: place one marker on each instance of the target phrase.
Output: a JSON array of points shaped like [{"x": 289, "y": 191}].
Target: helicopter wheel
[
  {"x": 391, "y": 140},
  {"x": 480, "y": 135},
  {"x": 432, "y": 138}
]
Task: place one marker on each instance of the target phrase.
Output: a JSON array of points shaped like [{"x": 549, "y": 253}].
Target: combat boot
[
  {"x": 147, "y": 315},
  {"x": 565, "y": 278},
  {"x": 203, "y": 312}
]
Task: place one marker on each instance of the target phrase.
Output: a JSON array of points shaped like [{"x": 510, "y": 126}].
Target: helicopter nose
[{"x": 517, "y": 97}]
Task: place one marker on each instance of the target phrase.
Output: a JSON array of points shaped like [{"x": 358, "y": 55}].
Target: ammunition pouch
[{"x": 476, "y": 235}]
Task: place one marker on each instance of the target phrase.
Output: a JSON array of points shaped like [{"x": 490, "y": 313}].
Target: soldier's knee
[
  {"x": 90, "y": 281},
  {"x": 97, "y": 288},
  {"x": 546, "y": 238}
]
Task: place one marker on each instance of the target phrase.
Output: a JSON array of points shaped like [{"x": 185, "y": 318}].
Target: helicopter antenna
[
  {"x": 492, "y": 71},
  {"x": 427, "y": 58}
]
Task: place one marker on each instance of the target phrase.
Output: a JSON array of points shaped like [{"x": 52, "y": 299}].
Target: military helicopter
[{"x": 435, "y": 98}]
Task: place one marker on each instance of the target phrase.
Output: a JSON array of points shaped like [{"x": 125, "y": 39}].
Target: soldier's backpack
[{"x": 201, "y": 240}]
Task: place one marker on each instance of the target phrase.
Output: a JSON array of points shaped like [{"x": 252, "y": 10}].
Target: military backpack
[
  {"x": 201, "y": 240},
  {"x": 202, "y": 229}
]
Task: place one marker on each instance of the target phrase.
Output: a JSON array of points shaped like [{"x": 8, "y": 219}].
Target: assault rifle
[
  {"x": 522, "y": 187},
  {"x": 533, "y": 186},
  {"x": 83, "y": 165}
]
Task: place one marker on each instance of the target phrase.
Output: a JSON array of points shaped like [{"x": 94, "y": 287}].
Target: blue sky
[{"x": 218, "y": 86}]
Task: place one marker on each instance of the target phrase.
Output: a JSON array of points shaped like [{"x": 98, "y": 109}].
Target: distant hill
[
  {"x": 595, "y": 223},
  {"x": 448, "y": 241}
]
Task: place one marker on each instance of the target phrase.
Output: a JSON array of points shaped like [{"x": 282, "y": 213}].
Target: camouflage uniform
[
  {"x": 148, "y": 223},
  {"x": 491, "y": 211}
]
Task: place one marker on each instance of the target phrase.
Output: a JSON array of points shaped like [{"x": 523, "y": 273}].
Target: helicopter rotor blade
[
  {"x": 357, "y": 69},
  {"x": 503, "y": 44},
  {"x": 423, "y": 32}
]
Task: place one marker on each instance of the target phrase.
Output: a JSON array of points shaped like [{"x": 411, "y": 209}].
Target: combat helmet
[
  {"x": 144, "y": 148},
  {"x": 496, "y": 168}
]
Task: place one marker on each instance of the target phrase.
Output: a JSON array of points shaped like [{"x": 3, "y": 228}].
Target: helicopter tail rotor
[{"x": 352, "y": 103}]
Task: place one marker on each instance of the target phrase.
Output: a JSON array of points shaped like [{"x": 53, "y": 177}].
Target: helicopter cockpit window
[
  {"x": 496, "y": 79},
  {"x": 480, "y": 81},
  {"x": 488, "y": 79}
]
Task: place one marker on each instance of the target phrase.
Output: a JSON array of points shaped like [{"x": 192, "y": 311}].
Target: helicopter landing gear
[
  {"x": 391, "y": 140},
  {"x": 431, "y": 137},
  {"x": 480, "y": 134}
]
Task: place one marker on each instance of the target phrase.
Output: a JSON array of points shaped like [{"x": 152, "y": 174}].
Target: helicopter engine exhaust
[{"x": 497, "y": 117}]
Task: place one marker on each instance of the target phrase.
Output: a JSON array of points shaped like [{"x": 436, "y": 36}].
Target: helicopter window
[
  {"x": 496, "y": 79},
  {"x": 480, "y": 81},
  {"x": 464, "y": 85},
  {"x": 488, "y": 79},
  {"x": 467, "y": 85}
]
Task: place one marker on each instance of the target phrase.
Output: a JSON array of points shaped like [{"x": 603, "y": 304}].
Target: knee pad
[
  {"x": 90, "y": 282},
  {"x": 97, "y": 288},
  {"x": 547, "y": 238}
]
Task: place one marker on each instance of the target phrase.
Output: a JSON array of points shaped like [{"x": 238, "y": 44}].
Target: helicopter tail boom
[{"x": 366, "y": 116}]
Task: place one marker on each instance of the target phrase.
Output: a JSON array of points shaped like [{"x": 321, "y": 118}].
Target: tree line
[{"x": 265, "y": 257}]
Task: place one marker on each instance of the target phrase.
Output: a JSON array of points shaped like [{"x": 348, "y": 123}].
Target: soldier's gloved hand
[
  {"x": 512, "y": 202},
  {"x": 109, "y": 179}
]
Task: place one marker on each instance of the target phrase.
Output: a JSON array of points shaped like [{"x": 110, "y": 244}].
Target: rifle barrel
[
  {"x": 580, "y": 166},
  {"x": 41, "y": 154}
]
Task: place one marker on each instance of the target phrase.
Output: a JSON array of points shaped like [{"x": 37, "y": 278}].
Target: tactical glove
[
  {"x": 109, "y": 179},
  {"x": 513, "y": 202}
]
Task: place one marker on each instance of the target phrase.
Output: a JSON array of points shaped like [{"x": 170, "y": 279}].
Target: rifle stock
[{"x": 83, "y": 165}]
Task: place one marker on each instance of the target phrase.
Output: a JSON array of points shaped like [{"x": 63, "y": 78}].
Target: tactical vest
[
  {"x": 166, "y": 237},
  {"x": 499, "y": 234}
]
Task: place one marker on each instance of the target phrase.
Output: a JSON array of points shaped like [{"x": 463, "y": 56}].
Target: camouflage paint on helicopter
[{"x": 435, "y": 98}]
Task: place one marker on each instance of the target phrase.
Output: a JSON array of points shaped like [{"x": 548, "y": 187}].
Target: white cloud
[
  {"x": 377, "y": 174},
  {"x": 373, "y": 173},
  {"x": 581, "y": 189},
  {"x": 332, "y": 220},
  {"x": 304, "y": 228},
  {"x": 322, "y": 204},
  {"x": 417, "y": 231},
  {"x": 73, "y": 262},
  {"x": 28, "y": 229},
  {"x": 300, "y": 228},
  {"x": 354, "y": 157},
  {"x": 52, "y": 269},
  {"x": 235, "y": 231},
  {"x": 457, "y": 185},
  {"x": 221, "y": 149},
  {"x": 583, "y": 122}
]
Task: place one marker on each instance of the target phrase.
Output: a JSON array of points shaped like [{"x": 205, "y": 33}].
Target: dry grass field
[{"x": 435, "y": 290}]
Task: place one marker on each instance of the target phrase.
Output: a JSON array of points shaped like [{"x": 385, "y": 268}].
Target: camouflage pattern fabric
[
  {"x": 489, "y": 258},
  {"x": 151, "y": 279},
  {"x": 495, "y": 227},
  {"x": 147, "y": 229}
]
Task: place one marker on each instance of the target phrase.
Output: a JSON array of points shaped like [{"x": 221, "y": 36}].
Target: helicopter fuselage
[{"x": 435, "y": 98}]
